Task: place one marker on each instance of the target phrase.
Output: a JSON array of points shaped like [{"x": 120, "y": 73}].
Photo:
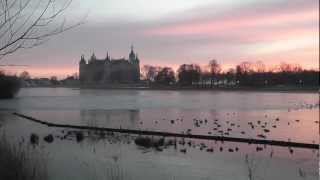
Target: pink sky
[{"x": 269, "y": 31}]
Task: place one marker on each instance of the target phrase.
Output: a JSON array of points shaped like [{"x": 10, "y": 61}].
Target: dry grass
[{"x": 20, "y": 163}]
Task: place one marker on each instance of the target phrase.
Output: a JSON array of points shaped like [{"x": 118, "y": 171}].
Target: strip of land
[{"x": 168, "y": 134}]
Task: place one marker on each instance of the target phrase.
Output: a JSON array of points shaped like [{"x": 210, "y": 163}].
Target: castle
[{"x": 107, "y": 70}]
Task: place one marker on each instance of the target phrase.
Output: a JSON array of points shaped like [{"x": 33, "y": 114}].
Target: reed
[{"x": 20, "y": 163}]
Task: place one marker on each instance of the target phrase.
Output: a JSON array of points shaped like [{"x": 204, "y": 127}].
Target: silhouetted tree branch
[{"x": 30, "y": 23}]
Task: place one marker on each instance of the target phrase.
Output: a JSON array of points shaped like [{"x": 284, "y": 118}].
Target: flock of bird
[{"x": 217, "y": 127}]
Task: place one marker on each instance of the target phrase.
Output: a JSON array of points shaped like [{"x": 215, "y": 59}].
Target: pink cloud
[
  {"x": 225, "y": 24},
  {"x": 270, "y": 31},
  {"x": 270, "y": 34}
]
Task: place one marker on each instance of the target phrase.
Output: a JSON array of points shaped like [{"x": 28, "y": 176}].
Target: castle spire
[
  {"x": 82, "y": 60},
  {"x": 93, "y": 56},
  {"x": 132, "y": 56},
  {"x": 108, "y": 57}
]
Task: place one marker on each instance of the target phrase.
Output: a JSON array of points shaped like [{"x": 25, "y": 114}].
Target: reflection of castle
[
  {"x": 110, "y": 70},
  {"x": 110, "y": 118}
]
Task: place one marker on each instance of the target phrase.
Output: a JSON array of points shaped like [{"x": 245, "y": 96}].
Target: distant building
[{"x": 108, "y": 70}]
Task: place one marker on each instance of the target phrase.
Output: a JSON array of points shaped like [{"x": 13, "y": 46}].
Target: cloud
[
  {"x": 270, "y": 30},
  {"x": 253, "y": 31},
  {"x": 259, "y": 17}
]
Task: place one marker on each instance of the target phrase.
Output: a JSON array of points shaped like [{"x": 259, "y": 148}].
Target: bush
[{"x": 9, "y": 86}]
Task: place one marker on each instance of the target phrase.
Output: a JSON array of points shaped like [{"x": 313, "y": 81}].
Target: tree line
[{"x": 245, "y": 74}]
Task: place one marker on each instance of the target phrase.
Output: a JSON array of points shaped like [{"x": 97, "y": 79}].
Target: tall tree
[
  {"x": 189, "y": 74},
  {"x": 54, "y": 80},
  {"x": 243, "y": 71},
  {"x": 215, "y": 69},
  {"x": 165, "y": 76},
  {"x": 24, "y": 75},
  {"x": 150, "y": 72},
  {"x": 230, "y": 75},
  {"x": 260, "y": 67}
]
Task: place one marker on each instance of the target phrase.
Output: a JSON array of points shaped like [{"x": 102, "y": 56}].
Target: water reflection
[
  {"x": 75, "y": 99},
  {"x": 110, "y": 118},
  {"x": 297, "y": 125},
  {"x": 102, "y": 155},
  {"x": 114, "y": 155}
]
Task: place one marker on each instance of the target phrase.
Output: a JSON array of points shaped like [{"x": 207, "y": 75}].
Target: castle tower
[
  {"x": 133, "y": 59},
  {"x": 137, "y": 64},
  {"x": 107, "y": 59},
  {"x": 82, "y": 60},
  {"x": 82, "y": 69},
  {"x": 132, "y": 56},
  {"x": 92, "y": 58}
]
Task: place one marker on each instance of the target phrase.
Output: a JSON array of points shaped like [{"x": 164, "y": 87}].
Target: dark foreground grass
[{"x": 19, "y": 163}]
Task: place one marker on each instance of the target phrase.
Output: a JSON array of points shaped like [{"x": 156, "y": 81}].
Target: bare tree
[
  {"x": 29, "y": 23},
  {"x": 25, "y": 75},
  {"x": 54, "y": 80},
  {"x": 260, "y": 67},
  {"x": 285, "y": 67},
  {"x": 215, "y": 69},
  {"x": 165, "y": 76},
  {"x": 150, "y": 72},
  {"x": 188, "y": 74},
  {"x": 246, "y": 67}
]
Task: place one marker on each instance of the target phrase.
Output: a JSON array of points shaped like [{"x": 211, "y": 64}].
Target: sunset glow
[
  {"x": 168, "y": 89},
  {"x": 181, "y": 32}
]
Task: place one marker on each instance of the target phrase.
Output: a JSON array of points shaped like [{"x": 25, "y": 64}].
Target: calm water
[{"x": 287, "y": 116}]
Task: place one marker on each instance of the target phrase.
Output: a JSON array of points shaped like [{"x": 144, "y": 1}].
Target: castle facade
[{"x": 109, "y": 70}]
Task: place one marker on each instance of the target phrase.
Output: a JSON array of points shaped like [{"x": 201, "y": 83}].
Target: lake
[{"x": 277, "y": 116}]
